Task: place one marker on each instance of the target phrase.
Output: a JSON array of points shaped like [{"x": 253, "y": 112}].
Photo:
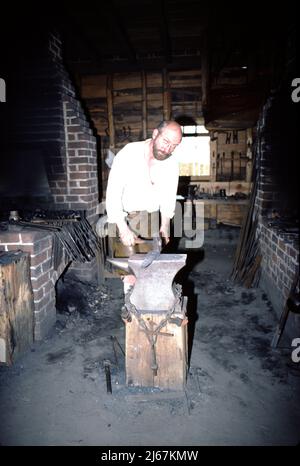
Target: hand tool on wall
[{"x": 228, "y": 138}]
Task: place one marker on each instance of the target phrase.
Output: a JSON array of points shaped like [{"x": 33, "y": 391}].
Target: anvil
[{"x": 153, "y": 290}]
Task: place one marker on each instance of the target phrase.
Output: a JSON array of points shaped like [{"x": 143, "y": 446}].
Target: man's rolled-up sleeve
[{"x": 115, "y": 187}]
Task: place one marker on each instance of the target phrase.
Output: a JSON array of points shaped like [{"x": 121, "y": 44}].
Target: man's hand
[
  {"x": 165, "y": 229},
  {"x": 127, "y": 236},
  {"x": 165, "y": 235}
]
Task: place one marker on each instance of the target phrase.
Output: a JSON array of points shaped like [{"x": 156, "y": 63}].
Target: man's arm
[
  {"x": 127, "y": 236},
  {"x": 165, "y": 228},
  {"x": 114, "y": 206}
]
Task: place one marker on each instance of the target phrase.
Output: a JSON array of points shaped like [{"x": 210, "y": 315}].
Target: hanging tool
[{"x": 228, "y": 138}]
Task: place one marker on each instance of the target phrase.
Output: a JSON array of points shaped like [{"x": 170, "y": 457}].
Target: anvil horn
[{"x": 119, "y": 263}]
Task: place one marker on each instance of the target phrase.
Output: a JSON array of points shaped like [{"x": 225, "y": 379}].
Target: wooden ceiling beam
[{"x": 151, "y": 64}]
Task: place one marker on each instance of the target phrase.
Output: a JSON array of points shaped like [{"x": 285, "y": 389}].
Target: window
[{"x": 193, "y": 153}]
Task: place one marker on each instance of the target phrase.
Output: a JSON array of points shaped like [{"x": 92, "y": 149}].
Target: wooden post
[
  {"x": 144, "y": 104},
  {"x": 166, "y": 96},
  {"x": 109, "y": 97},
  {"x": 16, "y": 306}
]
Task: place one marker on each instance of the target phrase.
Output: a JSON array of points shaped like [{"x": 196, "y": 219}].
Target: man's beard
[{"x": 158, "y": 155}]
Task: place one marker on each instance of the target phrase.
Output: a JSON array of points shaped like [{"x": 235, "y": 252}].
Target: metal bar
[
  {"x": 116, "y": 340},
  {"x": 114, "y": 349},
  {"x": 108, "y": 376}
]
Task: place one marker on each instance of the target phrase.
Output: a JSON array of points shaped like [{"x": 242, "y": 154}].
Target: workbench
[{"x": 227, "y": 211}]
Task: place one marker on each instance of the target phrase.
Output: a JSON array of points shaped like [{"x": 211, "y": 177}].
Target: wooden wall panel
[
  {"x": 185, "y": 96},
  {"x": 184, "y": 99},
  {"x": 93, "y": 86}
]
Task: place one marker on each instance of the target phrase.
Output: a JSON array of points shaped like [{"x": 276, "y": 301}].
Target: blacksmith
[{"x": 144, "y": 178}]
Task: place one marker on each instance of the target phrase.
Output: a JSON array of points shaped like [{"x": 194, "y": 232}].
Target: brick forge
[
  {"x": 38, "y": 244},
  {"x": 279, "y": 248},
  {"x": 78, "y": 190},
  {"x": 58, "y": 129},
  {"x": 73, "y": 173}
]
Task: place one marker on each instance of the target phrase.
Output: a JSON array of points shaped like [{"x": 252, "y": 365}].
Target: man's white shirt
[{"x": 131, "y": 189}]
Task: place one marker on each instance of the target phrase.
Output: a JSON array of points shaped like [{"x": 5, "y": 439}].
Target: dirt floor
[{"x": 239, "y": 391}]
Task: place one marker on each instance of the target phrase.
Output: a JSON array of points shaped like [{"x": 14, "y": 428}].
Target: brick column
[
  {"x": 74, "y": 177},
  {"x": 266, "y": 163},
  {"x": 279, "y": 249},
  {"x": 82, "y": 180},
  {"x": 43, "y": 276},
  {"x": 73, "y": 171}
]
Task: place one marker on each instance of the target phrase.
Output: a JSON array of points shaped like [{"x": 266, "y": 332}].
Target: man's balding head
[{"x": 166, "y": 137}]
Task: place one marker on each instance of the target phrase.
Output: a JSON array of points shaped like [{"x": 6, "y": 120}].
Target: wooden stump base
[
  {"x": 171, "y": 352},
  {"x": 16, "y": 306}
]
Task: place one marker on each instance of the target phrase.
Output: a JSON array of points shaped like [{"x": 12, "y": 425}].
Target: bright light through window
[
  {"x": 193, "y": 155},
  {"x": 194, "y": 129}
]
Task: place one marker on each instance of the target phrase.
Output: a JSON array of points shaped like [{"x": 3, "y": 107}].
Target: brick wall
[
  {"x": 74, "y": 178},
  {"x": 280, "y": 259},
  {"x": 81, "y": 160},
  {"x": 46, "y": 125},
  {"x": 267, "y": 166},
  {"x": 276, "y": 153},
  {"x": 276, "y": 198},
  {"x": 43, "y": 276}
]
